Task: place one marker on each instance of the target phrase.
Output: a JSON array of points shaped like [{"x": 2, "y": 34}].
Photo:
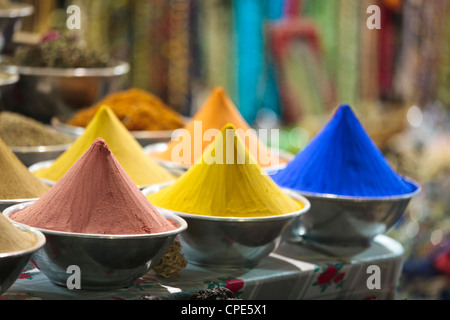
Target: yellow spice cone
[
  {"x": 137, "y": 164},
  {"x": 217, "y": 187}
]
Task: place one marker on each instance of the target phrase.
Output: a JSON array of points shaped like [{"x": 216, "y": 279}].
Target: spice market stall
[{"x": 216, "y": 150}]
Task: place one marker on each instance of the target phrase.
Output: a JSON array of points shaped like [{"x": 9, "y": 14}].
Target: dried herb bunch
[
  {"x": 61, "y": 50},
  {"x": 217, "y": 293},
  {"x": 172, "y": 262}
]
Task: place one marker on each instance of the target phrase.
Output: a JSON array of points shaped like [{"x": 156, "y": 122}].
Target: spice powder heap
[
  {"x": 16, "y": 181},
  {"x": 227, "y": 184},
  {"x": 96, "y": 196},
  {"x": 139, "y": 166},
  {"x": 343, "y": 160},
  {"x": 137, "y": 109},
  {"x": 17, "y": 130},
  {"x": 14, "y": 239},
  {"x": 217, "y": 112}
]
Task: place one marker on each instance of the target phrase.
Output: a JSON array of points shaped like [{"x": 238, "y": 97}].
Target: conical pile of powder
[
  {"x": 217, "y": 112},
  {"x": 96, "y": 196},
  {"x": 14, "y": 239},
  {"x": 16, "y": 181},
  {"x": 343, "y": 160},
  {"x": 139, "y": 166},
  {"x": 226, "y": 182}
]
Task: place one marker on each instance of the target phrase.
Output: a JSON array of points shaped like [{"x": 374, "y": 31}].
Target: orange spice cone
[{"x": 217, "y": 112}]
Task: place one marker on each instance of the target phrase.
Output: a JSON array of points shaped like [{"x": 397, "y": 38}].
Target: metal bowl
[
  {"x": 162, "y": 146},
  {"x": 227, "y": 242},
  {"x": 13, "y": 263},
  {"x": 45, "y": 164},
  {"x": 348, "y": 222},
  {"x": 143, "y": 137},
  {"x": 10, "y": 20},
  {"x": 32, "y": 155},
  {"x": 104, "y": 261},
  {"x": 43, "y": 93}
]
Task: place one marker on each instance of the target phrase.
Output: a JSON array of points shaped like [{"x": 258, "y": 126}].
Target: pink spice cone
[{"x": 95, "y": 196}]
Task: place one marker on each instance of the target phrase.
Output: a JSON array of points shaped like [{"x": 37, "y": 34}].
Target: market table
[{"x": 294, "y": 271}]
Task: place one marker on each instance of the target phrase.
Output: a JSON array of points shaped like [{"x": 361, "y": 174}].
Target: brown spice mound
[
  {"x": 17, "y": 130},
  {"x": 16, "y": 181},
  {"x": 14, "y": 239},
  {"x": 137, "y": 109},
  {"x": 171, "y": 263}
]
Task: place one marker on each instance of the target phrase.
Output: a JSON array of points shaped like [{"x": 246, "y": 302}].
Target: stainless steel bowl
[
  {"x": 5, "y": 203},
  {"x": 43, "y": 93},
  {"x": 13, "y": 263},
  {"x": 105, "y": 261},
  {"x": 10, "y": 20},
  {"x": 32, "y": 155},
  {"x": 338, "y": 221},
  {"x": 226, "y": 242}
]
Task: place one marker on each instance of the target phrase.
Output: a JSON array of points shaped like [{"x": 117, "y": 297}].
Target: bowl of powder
[
  {"x": 97, "y": 219},
  {"x": 59, "y": 75},
  {"x": 225, "y": 242},
  {"x": 17, "y": 245},
  {"x": 30, "y": 140},
  {"x": 105, "y": 261},
  {"x": 235, "y": 212}
]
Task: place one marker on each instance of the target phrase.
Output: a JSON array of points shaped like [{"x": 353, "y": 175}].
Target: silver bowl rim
[
  {"x": 17, "y": 10},
  {"x": 315, "y": 195},
  {"x": 220, "y": 219},
  {"x": 120, "y": 68},
  {"x": 41, "y": 240},
  {"x": 10, "y": 78},
  {"x": 41, "y": 149},
  {"x": 182, "y": 226},
  {"x": 16, "y": 201}
]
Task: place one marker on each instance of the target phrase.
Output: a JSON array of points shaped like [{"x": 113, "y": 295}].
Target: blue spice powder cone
[{"x": 343, "y": 160}]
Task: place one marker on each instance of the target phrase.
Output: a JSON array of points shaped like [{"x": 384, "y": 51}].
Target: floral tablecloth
[{"x": 294, "y": 271}]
